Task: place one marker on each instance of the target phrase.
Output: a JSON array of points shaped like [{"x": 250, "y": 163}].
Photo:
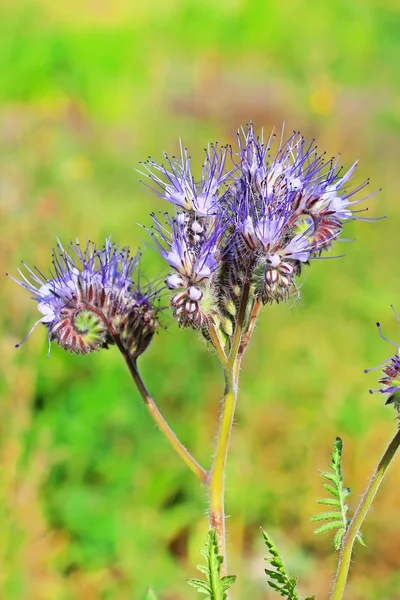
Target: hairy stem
[
  {"x": 217, "y": 344},
  {"x": 162, "y": 424},
  {"x": 216, "y": 481},
  {"x": 164, "y": 427},
  {"x": 217, "y": 478},
  {"x": 247, "y": 337},
  {"x": 357, "y": 520}
]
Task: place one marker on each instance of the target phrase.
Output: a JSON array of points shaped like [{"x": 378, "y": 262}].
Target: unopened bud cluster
[{"x": 90, "y": 298}]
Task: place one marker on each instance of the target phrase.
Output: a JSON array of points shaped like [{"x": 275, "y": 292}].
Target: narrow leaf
[
  {"x": 329, "y": 527},
  {"x": 337, "y": 540},
  {"x": 201, "y": 586},
  {"x": 325, "y": 516},
  {"x": 329, "y": 476},
  {"x": 360, "y": 539},
  {"x": 332, "y": 490},
  {"x": 329, "y": 502}
]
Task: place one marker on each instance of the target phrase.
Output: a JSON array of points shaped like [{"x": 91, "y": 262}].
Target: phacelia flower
[
  {"x": 193, "y": 267},
  {"x": 90, "y": 299},
  {"x": 178, "y": 186},
  {"x": 256, "y": 219},
  {"x": 287, "y": 208},
  {"x": 391, "y": 373}
]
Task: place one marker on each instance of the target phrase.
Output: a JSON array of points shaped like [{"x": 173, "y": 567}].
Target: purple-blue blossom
[
  {"x": 276, "y": 210},
  {"x": 176, "y": 183},
  {"x": 90, "y": 295},
  {"x": 193, "y": 265},
  {"x": 391, "y": 372}
]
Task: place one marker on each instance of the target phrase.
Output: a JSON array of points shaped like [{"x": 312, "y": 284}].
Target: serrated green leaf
[
  {"x": 329, "y": 527},
  {"x": 215, "y": 586},
  {"x": 279, "y": 579}
]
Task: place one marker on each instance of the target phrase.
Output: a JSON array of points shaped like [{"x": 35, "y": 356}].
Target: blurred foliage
[{"x": 93, "y": 504}]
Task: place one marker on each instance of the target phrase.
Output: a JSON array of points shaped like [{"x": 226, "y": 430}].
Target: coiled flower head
[
  {"x": 391, "y": 373},
  {"x": 90, "y": 298}
]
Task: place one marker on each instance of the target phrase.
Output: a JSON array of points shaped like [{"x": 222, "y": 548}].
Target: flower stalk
[
  {"x": 216, "y": 482},
  {"x": 158, "y": 418},
  {"x": 357, "y": 520}
]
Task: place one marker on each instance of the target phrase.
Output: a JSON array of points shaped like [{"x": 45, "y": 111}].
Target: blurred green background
[{"x": 93, "y": 503}]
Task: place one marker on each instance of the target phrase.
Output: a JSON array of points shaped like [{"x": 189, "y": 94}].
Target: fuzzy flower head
[
  {"x": 193, "y": 265},
  {"x": 175, "y": 183},
  {"x": 299, "y": 176},
  {"x": 391, "y": 373},
  {"x": 90, "y": 298},
  {"x": 286, "y": 208}
]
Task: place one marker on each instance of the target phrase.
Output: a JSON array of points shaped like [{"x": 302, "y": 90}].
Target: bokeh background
[{"x": 93, "y": 503}]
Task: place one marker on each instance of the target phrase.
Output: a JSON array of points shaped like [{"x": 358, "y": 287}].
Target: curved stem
[
  {"x": 237, "y": 336},
  {"x": 357, "y": 520},
  {"x": 162, "y": 424},
  {"x": 217, "y": 344},
  {"x": 164, "y": 427},
  {"x": 247, "y": 337},
  {"x": 250, "y": 328}
]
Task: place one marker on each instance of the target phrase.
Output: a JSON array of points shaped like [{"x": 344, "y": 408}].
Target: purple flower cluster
[
  {"x": 265, "y": 214},
  {"x": 191, "y": 247},
  {"x": 90, "y": 297}
]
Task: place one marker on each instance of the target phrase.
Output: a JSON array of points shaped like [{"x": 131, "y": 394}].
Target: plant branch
[
  {"x": 246, "y": 337},
  {"x": 361, "y": 512},
  {"x": 216, "y": 481},
  {"x": 217, "y": 344},
  {"x": 162, "y": 424}
]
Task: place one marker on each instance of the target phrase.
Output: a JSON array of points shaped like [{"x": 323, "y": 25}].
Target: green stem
[
  {"x": 247, "y": 337},
  {"x": 217, "y": 478},
  {"x": 164, "y": 427},
  {"x": 357, "y": 520},
  {"x": 216, "y": 482},
  {"x": 162, "y": 424},
  {"x": 217, "y": 344}
]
